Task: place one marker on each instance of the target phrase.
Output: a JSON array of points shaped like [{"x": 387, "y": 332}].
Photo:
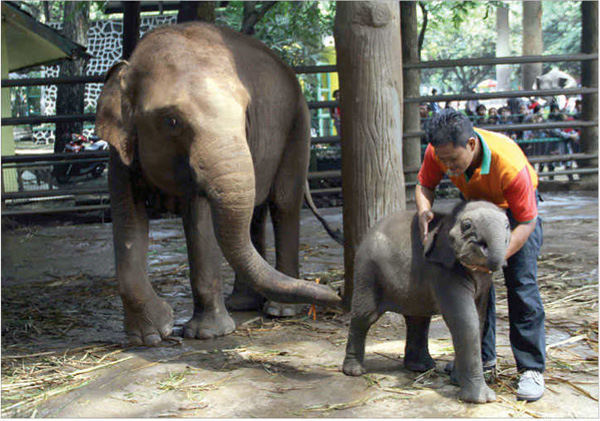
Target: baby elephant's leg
[
  {"x": 355, "y": 348},
  {"x": 416, "y": 353}
]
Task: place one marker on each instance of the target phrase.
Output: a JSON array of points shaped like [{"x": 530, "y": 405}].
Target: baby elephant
[{"x": 395, "y": 272}]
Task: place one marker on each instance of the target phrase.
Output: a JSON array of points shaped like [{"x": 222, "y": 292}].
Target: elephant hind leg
[
  {"x": 416, "y": 353},
  {"x": 244, "y": 298},
  {"x": 355, "y": 347}
]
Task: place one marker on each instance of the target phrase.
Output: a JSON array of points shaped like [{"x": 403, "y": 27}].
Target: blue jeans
[{"x": 525, "y": 310}]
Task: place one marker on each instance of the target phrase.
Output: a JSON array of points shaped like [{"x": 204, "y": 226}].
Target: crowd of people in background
[{"x": 536, "y": 142}]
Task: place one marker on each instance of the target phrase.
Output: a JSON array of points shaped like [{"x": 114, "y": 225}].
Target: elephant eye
[
  {"x": 171, "y": 123},
  {"x": 466, "y": 225}
]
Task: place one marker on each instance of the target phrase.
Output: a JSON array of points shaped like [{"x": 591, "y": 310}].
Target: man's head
[
  {"x": 480, "y": 110},
  {"x": 492, "y": 112},
  {"x": 454, "y": 140}
]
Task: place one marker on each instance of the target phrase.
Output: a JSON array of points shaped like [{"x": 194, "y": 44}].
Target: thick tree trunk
[
  {"x": 70, "y": 98},
  {"x": 253, "y": 14},
  {"x": 532, "y": 41},
  {"x": 367, "y": 38},
  {"x": 196, "y": 11},
  {"x": 589, "y": 78},
  {"x": 411, "y": 149},
  {"x": 502, "y": 47}
]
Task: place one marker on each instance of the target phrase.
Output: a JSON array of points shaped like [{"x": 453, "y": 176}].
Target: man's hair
[{"x": 449, "y": 126}]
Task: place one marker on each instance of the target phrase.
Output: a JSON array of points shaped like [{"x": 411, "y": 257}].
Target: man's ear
[
  {"x": 114, "y": 115},
  {"x": 437, "y": 248}
]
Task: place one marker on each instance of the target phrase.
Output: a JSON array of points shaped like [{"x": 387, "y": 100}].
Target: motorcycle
[{"x": 80, "y": 144}]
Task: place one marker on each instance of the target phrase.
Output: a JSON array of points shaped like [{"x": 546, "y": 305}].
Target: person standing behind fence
[
  {"x": 434, "y": 106},
  {"x": 336, "y": 113}
]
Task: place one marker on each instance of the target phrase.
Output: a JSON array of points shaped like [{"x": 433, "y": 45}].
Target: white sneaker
[{"x": 531, "y": 386}]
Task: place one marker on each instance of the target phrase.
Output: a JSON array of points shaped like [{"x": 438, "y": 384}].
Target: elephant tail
[{"x": 334, "y": 233}]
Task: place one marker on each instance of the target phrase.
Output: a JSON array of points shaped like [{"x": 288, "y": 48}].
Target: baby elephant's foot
[
  {"x": 275, "y": 309},
  {"x": 418, "y": 362},
  {"x": 208, "y": 325},
  {"x": 477, "y": 394},
  {"x": 353, "y": 367}
]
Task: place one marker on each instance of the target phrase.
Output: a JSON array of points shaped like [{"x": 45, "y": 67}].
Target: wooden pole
[{"x": 367, "y": 39}]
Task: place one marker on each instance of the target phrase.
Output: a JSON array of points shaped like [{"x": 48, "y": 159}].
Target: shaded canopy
[{"x": 30, "y": 43}]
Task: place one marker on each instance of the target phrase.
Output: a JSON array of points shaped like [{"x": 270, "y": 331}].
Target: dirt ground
[{"x": 64, "y": 353}]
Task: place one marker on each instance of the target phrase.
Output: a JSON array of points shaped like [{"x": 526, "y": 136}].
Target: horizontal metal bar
[
  {"x": 490, "y": 61},
  {"x": 569, "y": 172},
  {"x": 523, "y": 126},
  {"x": 53, "y": 157},
  {"x": 554, "y": 158},
  {"x": 326, "y": 191},
  {"x": 41, "y": 81},
  {"x": 16, "y": 121},
  {"x": 315, "y": 69},
  {"x": 325, "y": 140},
  {"x": 20, "y": 212},
  {"x": 502, "y": 94},
  {"x": 324, "y": 174},
  {"x": 49, "y": 193}
]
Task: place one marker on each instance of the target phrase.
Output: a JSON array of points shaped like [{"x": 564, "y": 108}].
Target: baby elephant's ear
[
  {"x": 113, "y": 115},
  {"x": 437, "y": 248}
]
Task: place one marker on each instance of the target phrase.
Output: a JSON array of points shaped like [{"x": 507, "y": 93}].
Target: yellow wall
[{"x": 9, "y": 180}]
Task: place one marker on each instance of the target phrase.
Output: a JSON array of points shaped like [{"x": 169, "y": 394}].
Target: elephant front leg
[
  {"x": 210, "y": 318},
  {"x": 148, "y": 318},
  {"x": 416, "y": 353},
  {"x": 456, "y": 301}
]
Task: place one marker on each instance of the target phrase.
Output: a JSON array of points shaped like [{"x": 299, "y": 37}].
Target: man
[{"x": 489, "y": 166}]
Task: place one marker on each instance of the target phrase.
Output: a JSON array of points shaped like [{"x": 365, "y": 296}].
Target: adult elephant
[{"x": 214, "y": 117}]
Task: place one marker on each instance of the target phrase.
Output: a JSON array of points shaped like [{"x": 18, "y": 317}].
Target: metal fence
[{"x": 37, "y": 190}]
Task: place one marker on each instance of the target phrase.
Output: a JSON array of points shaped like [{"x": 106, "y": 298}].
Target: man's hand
[
  {"x": 425, "y": 218},
  {"x": 476, "y": 268}
]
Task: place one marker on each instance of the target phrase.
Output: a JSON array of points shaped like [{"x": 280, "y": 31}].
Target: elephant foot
[
  {"x": 275, "y": 309},
  {"x": 418, "y": 362},
  {"x": 149, "y": 323},
  {"x": 353, "y": 367},
  {"x": 477, "y": 394},
  {"x": 244, "y": 301},
  {"x": 208, "y": 325}
]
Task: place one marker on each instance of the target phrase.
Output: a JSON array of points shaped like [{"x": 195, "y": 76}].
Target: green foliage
[
  {"x": 295, "y": 30},
  {"x": 468, "y": 30}
]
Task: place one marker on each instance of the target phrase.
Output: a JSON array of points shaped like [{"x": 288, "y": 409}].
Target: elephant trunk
[
  {"x": 230, "y": 187},
  {"x": 497, "y": 244}
]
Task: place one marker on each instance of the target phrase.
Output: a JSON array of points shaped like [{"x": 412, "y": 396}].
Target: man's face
[{"x": 456, "y": 158}]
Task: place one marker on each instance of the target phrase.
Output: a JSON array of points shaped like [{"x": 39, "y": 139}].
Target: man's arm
[
  {"x": 519, "y": 236},
  {"x": 424, "y": 197}
]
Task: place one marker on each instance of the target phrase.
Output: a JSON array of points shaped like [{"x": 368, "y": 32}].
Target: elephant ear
[
  {"x": 114, "y": 119},
  {"x": 437, "y": 248}
]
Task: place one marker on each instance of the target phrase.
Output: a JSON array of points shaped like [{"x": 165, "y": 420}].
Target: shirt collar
[{"x": 487, "y": 156}]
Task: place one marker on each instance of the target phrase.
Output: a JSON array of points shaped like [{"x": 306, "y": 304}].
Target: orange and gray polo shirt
[{"x": 505, "y": 177}]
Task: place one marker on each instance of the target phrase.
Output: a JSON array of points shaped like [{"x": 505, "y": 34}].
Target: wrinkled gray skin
[
  {"x": 211, "y": 116},
  {"x": 395, "y": 272}
]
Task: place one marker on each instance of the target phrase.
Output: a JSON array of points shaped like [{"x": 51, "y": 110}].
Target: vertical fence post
[
  {"x": 411, "y": 147},
  {"x": 589, "y": 79},
  {"x": 131, "y": 27}
]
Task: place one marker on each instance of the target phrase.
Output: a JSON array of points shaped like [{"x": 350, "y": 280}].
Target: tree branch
[
  {"x": 423, "y": 27},
  {"x": 252, "y": 14}
]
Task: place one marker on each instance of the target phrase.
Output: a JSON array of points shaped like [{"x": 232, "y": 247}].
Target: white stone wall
[{"x": 105, "y": 46}]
